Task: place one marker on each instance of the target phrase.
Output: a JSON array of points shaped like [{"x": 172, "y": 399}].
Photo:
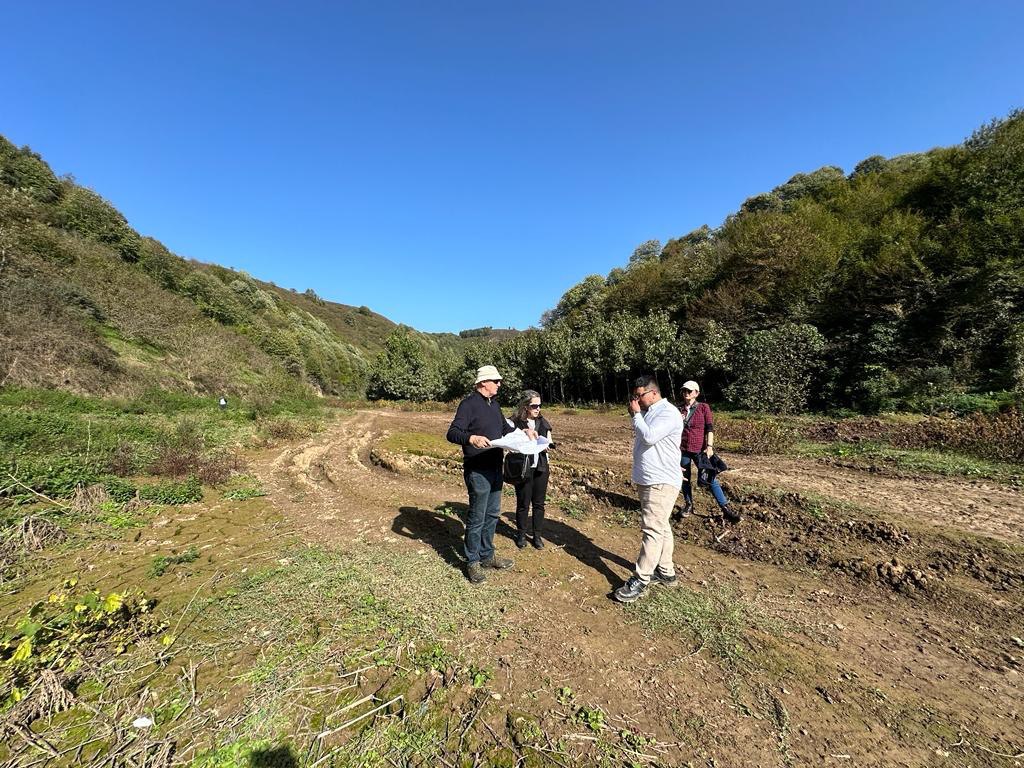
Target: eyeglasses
[
  {"x": 534, "y": 406},
  {"x": 638, "y": 395}
]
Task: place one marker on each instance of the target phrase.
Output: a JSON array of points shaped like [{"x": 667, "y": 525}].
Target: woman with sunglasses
[{"x": 534, "y": 487}]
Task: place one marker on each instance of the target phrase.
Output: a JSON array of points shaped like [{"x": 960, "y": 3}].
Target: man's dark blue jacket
[{"x": 476, "y": 415}]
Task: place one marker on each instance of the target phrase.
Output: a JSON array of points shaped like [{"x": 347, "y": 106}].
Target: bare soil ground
[
  {"x": 851, "y": 618},
  {"x": 880, "y": 618}
]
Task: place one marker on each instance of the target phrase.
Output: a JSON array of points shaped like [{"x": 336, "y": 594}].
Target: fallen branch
[
  {"x": 342, "y": 727},
  {"x": 37, "y": 493}
]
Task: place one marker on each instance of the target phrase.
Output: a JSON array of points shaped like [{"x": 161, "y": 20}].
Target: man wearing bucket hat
[{"x": 477, "y": 421}]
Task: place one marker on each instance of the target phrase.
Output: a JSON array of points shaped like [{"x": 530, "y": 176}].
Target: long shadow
[
  {"x": 583, "y": 548},
  {"x": 442, "y": 530},
  {"x": 575, "y": 543}
]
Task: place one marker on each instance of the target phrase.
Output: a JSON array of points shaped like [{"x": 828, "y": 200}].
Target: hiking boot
[
  {"x": 497, "y": 563},
  {"x": 475, "y": 573},
  {"x": 678, "y": 515},
  {"x": 663, "y": 580},
  {"x": 730, "y": 514},
  {"x": 630, "y": 591},
  {"x": 538, "y": 542},
  {"x": 521, "y": 541}
]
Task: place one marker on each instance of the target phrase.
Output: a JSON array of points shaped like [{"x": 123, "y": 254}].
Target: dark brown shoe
[
  {"x": 497, "y": 563},
  {"x": 475, "y": 573}
]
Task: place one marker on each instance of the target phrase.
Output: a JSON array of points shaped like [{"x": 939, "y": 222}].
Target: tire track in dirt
[
  {"x": 566, "y": 631},
  {"x": 980, "y": 507}
]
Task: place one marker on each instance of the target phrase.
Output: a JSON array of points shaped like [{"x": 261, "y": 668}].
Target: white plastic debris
[{"x": 142, "y": 722}]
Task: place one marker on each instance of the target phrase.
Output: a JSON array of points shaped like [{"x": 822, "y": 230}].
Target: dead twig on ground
[{"x": 34, "y": 492}]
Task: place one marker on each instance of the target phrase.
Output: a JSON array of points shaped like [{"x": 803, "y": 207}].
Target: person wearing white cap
[
  {"x": 699, "y": 437},
  {"x": 477, "y": 421}
]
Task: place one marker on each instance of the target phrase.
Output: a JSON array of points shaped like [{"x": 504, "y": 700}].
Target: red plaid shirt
[{"x": 698, "y": 423}]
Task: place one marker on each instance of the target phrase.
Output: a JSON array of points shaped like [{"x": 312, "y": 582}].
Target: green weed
[
  {"x": 58, "y": 632},
  {"x": 572, "y": 508},
  {"x": 162, "y": 563},
  {"x": 244, "y": 487},
  {"x": 718, "y": 620},
  {"x": 479, "y": 676},
  {"x": 592, "y": 718}
]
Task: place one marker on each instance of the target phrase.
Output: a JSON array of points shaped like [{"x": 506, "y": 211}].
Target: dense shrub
[
  {"x": 763, "y": 436},
  {"x": 87, "y": 213},
  {"x": 997, "y": 436},
  {"x": 401, "y": 372},
  {"x": 773, "y": 369},
  {"x": 24, "y": 170}
]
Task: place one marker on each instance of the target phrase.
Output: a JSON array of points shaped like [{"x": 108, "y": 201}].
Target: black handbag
[{"x": 515, "y": 468}]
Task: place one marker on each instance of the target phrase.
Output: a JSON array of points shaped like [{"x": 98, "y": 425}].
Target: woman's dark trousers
[{"x": 533, "y": 490}]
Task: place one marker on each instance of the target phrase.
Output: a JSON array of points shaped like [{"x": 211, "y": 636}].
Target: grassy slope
[{"x": 88, "y": 305}]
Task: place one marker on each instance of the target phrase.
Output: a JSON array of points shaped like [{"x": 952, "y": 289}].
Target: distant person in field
[
  {"x": 223, "y": 403},
  {"x": 534, "y": 486},
  {"x": 657, "y": 430},
  {"x": 698, "y": 438},
  {"x": 477, "y": 421}
]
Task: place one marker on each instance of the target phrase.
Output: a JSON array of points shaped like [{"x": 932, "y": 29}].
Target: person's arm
[
  {"x": 663, "y": 426},
  {"x": 459, "y": 431}
]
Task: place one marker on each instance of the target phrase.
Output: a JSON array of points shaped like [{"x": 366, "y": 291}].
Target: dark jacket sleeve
[
  {"x": 505, "y": 426},
  {"x": 458, "y": 432},
  {"x": 709, "y": 425}
]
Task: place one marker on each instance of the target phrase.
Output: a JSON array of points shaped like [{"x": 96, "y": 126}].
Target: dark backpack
[{"x": 515, "y": 468}]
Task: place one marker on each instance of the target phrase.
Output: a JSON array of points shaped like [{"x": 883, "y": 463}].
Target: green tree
[
  {"x": 401, "y": 372},
  {"x": 773, "y": 369},
  {"x": 87, "y": 213}
]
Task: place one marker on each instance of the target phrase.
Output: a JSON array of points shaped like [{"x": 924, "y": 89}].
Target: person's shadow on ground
[
  {"x": 442, "y": 528},
  {"x": 582, "y": 547}
]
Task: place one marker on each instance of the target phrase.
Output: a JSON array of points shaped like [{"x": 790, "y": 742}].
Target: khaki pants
[{"x": 658, "y": 542}]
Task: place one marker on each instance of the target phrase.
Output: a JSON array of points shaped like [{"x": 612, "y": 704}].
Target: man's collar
[{"x": 657, "y": 405}]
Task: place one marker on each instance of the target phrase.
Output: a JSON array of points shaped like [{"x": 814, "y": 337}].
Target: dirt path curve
[
  {"x": 566, "y": 631},
  {"x": 977, "y": 506}
]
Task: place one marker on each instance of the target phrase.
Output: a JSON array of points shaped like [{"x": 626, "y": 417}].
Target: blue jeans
[
  {"x": 690, "y": 458},
  {"x": 484, "y": 486}
]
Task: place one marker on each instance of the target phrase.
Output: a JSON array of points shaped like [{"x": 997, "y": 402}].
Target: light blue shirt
[{"x": 656, "y": 438}]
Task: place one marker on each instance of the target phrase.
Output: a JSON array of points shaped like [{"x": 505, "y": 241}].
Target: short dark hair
[{"x": 647, "y": 381}]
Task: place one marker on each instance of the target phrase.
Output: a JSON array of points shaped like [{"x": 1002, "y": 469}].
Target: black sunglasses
[{"x": 532, "y": 406}]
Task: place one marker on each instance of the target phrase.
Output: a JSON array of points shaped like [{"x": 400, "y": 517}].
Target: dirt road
[{"x": 883, "y": 630}]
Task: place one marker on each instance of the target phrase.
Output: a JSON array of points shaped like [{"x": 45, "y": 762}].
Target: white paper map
[{"x": 518, "y": 442}]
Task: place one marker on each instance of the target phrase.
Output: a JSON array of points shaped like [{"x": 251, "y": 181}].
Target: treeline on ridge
[{"x": 900, "y": 285}]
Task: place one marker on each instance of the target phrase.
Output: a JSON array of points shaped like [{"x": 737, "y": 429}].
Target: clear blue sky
[{"x": 459, "y": 164}]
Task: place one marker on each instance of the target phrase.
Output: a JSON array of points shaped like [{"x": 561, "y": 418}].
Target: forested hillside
[
  {"x": 89, "y": 305},
  {"x": 900, "y": 284}
]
